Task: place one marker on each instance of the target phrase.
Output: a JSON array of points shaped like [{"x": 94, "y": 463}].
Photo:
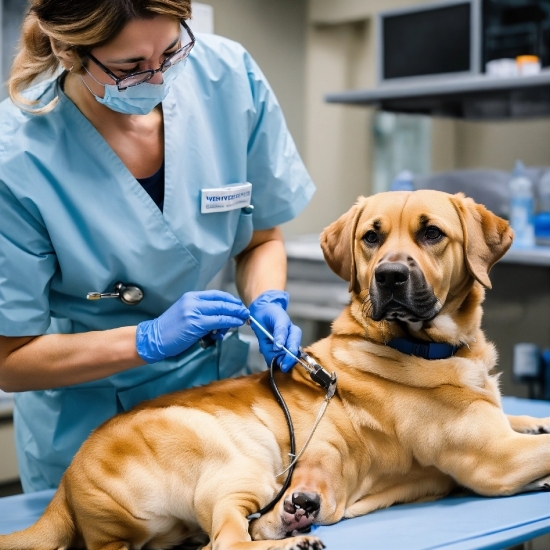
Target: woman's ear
[{"x": 67, "y": 57}]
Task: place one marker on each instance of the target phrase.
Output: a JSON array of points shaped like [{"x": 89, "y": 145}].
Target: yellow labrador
[{"x": 401, "y": 427}]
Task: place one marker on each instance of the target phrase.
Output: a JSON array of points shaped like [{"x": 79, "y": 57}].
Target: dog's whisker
[{"x": 366, "y": 305}]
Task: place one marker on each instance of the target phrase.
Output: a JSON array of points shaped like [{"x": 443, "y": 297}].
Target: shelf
[{"x": 472, "y": 97}]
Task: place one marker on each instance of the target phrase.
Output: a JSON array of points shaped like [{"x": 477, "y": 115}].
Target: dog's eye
[
  {"x": 371, "y": 237},
  {"x": 433, "y": 233}
]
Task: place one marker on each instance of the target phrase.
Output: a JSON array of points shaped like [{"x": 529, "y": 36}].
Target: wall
[
  {"x": 499, "y": 144},
  {"x": 338, "y": 151},
  {"x": 10, "y": 19},
  {"x": 275, "y": 34}
]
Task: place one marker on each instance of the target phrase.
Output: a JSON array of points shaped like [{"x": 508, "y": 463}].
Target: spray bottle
[{"x": 522, "y": 208}]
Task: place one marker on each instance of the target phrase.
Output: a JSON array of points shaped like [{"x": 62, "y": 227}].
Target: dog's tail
[{"x": 55, "y": 530}]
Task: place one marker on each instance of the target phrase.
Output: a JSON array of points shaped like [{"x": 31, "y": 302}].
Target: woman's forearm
[
  {"x": 56, "y": 360},
  {"x": 262, "y": 266}
]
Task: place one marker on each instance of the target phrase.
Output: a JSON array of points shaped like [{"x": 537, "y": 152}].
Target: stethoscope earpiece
[{"x": 130, "y": 295}]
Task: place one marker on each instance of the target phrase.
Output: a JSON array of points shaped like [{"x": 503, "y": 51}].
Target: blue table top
[{"x": 453, "y": 523}]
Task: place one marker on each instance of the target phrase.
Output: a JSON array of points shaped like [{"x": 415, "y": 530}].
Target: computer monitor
[{"x": 439, "y": 39}]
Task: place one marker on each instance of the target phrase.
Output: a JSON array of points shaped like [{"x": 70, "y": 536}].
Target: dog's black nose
[{"x": 391, "y": 275}]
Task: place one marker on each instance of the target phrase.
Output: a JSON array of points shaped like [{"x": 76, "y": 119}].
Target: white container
[
  {"x": 522, "y": 208},
  {"x": 526, "y": 361},
  {"x": 502, "y": 68},
  {"x": 528, "y": 65}
]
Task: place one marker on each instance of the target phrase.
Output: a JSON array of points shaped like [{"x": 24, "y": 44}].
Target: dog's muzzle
[{"x": 399, "y": 291}]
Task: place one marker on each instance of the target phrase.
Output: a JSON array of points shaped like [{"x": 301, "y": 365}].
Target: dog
[{"x": 400, "y": 427}]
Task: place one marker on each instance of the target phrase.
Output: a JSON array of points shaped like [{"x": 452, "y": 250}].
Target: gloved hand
[
  {"x": 193, "y": 316},
  {"x": 269, "y": 309}
]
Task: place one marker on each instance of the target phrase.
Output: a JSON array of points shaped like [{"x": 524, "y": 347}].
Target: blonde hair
[{"x": 77, "y": 25}]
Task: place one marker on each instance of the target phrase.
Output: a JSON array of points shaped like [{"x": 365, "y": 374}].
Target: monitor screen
[{"x": 432, "y": 41}]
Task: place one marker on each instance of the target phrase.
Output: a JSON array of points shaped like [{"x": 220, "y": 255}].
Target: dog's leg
[
  {"x": 491, "y": 459},
  {"x": 230, "y": 532},
  {"x": 529, "y": 425}
]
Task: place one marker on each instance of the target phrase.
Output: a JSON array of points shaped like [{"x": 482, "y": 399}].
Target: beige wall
[
  {"x": 338, "y": 146},
  {"x": 499, "y": 144},
  {"x": 275, "y": 35},
  {"x": 340, "y": 56}
]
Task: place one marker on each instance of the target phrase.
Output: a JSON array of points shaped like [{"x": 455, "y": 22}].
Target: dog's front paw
[
  {"x": 544, "y": 426},
  {"x": 299, "y": 511},
  {"x": 539, "y": 426},
  {"x": 303, "y": 543}
]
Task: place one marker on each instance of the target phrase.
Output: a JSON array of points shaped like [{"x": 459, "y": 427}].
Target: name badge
[{"x": 222, "y": 199}]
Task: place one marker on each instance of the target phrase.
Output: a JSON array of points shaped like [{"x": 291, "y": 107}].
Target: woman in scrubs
[{"x": 135, "y": 160}]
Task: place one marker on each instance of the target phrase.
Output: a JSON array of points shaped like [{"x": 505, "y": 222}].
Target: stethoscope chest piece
[{"x": 130, "y": 295}]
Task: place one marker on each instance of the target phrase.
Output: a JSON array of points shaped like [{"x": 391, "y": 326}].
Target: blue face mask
[{"x": 140, "y": 99}]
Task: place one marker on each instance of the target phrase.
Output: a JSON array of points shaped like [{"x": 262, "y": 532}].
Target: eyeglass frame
[{"x": 164, "y": 66}]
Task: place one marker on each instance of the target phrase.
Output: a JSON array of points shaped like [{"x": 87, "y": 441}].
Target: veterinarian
[{"x": 139, "y": 164}]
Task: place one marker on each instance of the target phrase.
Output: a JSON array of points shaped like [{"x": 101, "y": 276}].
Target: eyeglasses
[{"x": 143, "y": 76}]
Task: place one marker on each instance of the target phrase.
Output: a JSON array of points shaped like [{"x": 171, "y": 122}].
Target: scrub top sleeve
[
  {"x": 281, "y": 185},
  {"x": 27, "y": 265}
]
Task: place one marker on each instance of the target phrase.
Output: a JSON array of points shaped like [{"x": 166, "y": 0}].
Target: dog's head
[{"x": 407, "y": 255}]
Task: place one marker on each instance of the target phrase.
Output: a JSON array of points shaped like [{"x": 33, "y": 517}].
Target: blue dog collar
[{"x": 421, "y": 348}]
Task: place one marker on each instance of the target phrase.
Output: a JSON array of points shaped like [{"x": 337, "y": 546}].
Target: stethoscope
[
  {"x": 132, "y": 295},
  {"x": 128, "y": 294}
]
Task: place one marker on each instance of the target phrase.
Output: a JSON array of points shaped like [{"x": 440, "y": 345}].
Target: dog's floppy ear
[
  {"x": 486, "y": 237},
  {"x": 337, "y": 242}
]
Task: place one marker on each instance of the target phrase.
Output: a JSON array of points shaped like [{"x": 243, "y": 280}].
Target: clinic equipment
[
  {"x": 128, "y": 294},
  {"x": 542, "y": 218},
  {"x": 522, "y": 208}
]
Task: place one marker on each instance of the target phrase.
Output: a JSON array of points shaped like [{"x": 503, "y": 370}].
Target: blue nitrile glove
[
  {"x": 269, "y": 309},
  {"x": 193, "y": 316}
]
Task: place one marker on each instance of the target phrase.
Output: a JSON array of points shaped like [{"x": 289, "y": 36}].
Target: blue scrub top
[{"x": 74, "y": 220}]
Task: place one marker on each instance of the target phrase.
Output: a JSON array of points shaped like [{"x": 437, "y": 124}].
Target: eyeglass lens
[{"x": 172, "y": 59}]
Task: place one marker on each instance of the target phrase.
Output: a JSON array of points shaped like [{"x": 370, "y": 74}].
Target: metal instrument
[
  {"x": 130, "y": 295},
  {"x": 318, "y": 374}
]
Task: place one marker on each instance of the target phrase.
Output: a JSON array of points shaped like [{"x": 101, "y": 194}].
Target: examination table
[{"x": 453, "y": 523}]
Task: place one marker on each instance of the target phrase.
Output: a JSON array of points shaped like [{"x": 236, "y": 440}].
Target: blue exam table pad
[{"x": 452, "y": 523}]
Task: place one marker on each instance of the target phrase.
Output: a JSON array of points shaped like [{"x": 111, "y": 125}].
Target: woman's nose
[{"x": 157, "y": 78}]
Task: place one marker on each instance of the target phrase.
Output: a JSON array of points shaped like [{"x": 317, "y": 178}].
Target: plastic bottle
[
  {"x": 402, "y": 182},
  {"x": 542, "y": 219},
  {"x": 522, "y": 208}
]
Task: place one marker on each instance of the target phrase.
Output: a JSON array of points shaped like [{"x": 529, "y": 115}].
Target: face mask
[{"x": 140, "y": 99}]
